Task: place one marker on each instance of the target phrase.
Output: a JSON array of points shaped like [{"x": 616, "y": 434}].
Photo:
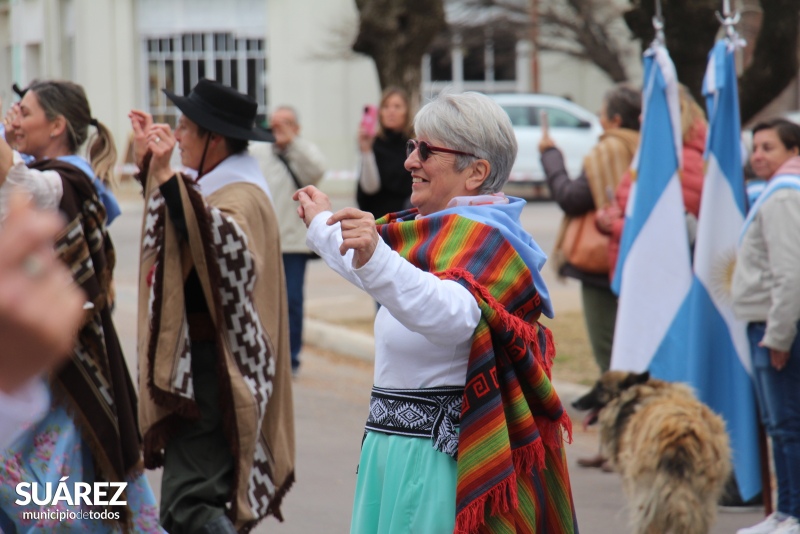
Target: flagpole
[
  {"x": 658, "y": 24},
  {"x": 729, "y": 19}
]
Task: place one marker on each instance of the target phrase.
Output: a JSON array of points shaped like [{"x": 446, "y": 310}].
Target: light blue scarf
[{"x": 105, "y": 195}]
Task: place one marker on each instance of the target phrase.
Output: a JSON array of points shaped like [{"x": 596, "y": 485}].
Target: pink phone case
[{"x": 369, "y": 120}]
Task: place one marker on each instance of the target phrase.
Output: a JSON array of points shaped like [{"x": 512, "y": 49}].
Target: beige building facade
[{"x": 281, "y": 52}]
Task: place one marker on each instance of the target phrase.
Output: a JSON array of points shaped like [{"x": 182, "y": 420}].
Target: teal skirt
[{"x": 404, "y": 486}]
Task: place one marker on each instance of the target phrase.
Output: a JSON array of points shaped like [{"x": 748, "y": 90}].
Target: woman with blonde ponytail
[
  {"x": 91, "y": 431},
  {"x": 53, "y": 121}
]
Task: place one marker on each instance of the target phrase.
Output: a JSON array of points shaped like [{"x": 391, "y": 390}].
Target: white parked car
[{"x": 574, "y": 129}]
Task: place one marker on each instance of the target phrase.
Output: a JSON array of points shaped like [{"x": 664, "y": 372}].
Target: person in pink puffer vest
[{"x": 611, "y": 220}]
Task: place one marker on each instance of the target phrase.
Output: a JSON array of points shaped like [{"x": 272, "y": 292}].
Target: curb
[
  {"x": 338, "y": 339},
  {"x": 348, "y": 343}
]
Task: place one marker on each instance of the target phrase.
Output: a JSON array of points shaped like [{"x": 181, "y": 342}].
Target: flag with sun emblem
[
  {"x": 653, "y": 274},
  {"x": 718, "y": 358}
]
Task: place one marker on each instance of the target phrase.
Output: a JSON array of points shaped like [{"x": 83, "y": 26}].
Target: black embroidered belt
[{"x": 426, "y": 413}]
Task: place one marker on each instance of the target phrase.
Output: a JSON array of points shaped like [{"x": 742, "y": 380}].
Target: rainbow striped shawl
[{"x": 512, "y": 471}]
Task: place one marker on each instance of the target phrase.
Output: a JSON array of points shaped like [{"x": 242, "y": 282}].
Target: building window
[
  {"x": 441, "y": 64},
  {"x": 475, "y": 61},
  {"x": 505, "y": 57},
  {"x": 178, "y": 62}
]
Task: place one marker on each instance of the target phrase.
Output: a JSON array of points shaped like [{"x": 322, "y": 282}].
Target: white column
[
  {"x": 457, "y": 60},
  {"x": 106, "y": 43},
  {"x": 523, "y": 66}
]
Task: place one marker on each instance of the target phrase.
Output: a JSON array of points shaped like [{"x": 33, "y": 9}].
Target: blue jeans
[
  {"x": 778, "y": 394},
  {"x": 294, "y": 265}
]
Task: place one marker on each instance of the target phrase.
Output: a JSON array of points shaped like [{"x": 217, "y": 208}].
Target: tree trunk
[
  {"x": 594, "y": 37},
  {"x": 690, "y": 28},
  {"x": 396, "y": 34},
  {"x": 774, "y": 64}
]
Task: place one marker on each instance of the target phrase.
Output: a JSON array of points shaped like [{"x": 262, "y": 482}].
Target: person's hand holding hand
[
  {"x": 41, "y": 308},
  {"x": 140, "y": 122},
  {"x": 312, "y": 203},
  {"x": 365, "y": 140},
  {"x": 161, "y": 142},
  {"x": 359, "y": 234},
  {"x": 606, "y": 216}
]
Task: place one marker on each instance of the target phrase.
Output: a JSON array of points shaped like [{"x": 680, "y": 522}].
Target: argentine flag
[
  {"x": 653, "y": 274},
  {"x": 718, "y": 357}
]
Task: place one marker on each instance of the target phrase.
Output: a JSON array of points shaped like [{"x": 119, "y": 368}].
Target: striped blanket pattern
[{"x": 512, "y": 471}]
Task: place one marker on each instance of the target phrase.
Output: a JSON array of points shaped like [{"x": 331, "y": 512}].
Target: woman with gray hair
[{"x": 464, "y": 422}]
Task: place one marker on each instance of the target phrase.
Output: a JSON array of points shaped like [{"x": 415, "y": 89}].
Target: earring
[{"x": 52, "y": 134}]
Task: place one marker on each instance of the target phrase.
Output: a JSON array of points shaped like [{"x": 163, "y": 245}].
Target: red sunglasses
[{"x": 426, "y": 149}]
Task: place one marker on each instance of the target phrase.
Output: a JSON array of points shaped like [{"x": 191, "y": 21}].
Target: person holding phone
[{"x": 384, "y": 185}]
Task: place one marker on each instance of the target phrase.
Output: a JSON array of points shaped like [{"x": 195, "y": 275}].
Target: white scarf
[{"x": 238, "y": 168}]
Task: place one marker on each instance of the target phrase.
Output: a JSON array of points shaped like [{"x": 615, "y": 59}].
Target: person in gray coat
[{"x": 289, "y": 164}]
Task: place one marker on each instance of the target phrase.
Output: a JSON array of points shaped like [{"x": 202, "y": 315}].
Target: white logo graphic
[{"x": 97, "y": 494}]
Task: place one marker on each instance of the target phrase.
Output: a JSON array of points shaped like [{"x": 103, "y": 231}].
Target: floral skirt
[{"x": 49, "y": 451}]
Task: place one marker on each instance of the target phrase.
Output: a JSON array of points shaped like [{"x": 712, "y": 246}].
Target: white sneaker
[
  {"x": 767, "y": 526},
  {"x": 788, "y": 526}
]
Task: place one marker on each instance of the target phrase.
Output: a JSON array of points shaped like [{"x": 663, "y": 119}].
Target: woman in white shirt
[{"x": 463, "y": 420}]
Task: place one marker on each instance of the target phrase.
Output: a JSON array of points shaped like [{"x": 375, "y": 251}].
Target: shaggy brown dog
[{"x": 671, "y": 450}]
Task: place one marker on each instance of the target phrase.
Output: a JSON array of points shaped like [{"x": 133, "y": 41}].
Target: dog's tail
[
  {"x": 686, "y": 484},
  {"x": 673, "y": 506}
]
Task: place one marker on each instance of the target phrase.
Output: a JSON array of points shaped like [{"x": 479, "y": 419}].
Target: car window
[
  {"x": 562, "y": 119},
  {"x": 521, "y": 115}
]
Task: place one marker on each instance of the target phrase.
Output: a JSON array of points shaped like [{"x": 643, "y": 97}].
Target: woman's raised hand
[
  {"x": 161, "y": 142},
  {"x": 9, "y": 123},
  {"x": 140, "y": 122},
  {"x": 359, "y": 234}
]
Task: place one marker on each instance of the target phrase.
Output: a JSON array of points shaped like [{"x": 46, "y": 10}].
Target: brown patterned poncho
[
  {"x": 95, "y": 383},
  {"x": 234, "y": 247}
]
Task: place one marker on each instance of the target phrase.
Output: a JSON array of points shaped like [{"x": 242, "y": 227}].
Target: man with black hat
[{"x": 215, "y": 370}]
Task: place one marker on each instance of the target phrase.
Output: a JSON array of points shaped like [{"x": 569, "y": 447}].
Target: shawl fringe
[
  {"x": 274, "y": 508},
  {"x": 157, "y": 437},
  {"x": 501, "y": 498},
  {"x": 529, "y": 457}
]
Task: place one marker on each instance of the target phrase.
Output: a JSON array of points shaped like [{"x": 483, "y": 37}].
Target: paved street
[{"x": 332, "y": 394}]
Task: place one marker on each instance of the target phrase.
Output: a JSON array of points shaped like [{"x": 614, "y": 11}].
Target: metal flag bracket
[
  {"x": 729, "y": 20},
  {"x": 658, "y": 24}
]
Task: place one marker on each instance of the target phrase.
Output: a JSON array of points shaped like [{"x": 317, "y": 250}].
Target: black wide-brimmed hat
[{"x": 222, "y": 110}]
